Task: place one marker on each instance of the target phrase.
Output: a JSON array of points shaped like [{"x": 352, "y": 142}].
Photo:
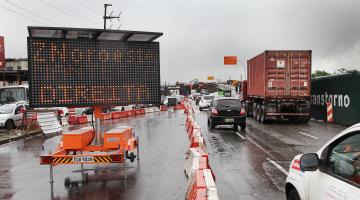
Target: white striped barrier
[{"x": 329, "y": 112}]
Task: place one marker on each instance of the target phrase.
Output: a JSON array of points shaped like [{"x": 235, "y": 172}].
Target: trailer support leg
[
  {"x": 137, "y": 149},
  {"x": 125, "y": 175}
]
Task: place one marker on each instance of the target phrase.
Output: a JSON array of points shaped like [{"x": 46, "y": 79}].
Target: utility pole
[{"x": 109, "y": 17}]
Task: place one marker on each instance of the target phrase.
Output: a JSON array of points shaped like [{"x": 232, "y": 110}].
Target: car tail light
[
  {"x": 117, "y": 158},
  {"x": 242, "y": 112},
  {"x": 296, "y": 165},
  {"x": 214, "y": 111},
  {"x": 45, "y": 160}
]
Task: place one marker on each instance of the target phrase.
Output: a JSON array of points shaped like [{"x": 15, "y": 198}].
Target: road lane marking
[
  {"x": 261, "y": 148},
  {"x": 302, "y": 133},
  {"x": 242, "y": 137},
  {"x": 277, "y": 166}
]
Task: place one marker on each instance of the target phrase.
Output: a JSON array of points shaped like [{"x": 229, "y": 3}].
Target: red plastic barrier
[
  {"x": 130, "y": 113},
  {"x": 163, "y": 108},
  {"x": 72, "y": 120},
  {"x": 202, "y": 186},
  {"x": 82, "y": 119},
  {"x": 142, "y": 110},
  {"x": 123, "y": 114},
  {"x": 115, "y": 115},
  {"x": 138, "y": 112},
  {"x": 105, "y": 116}
]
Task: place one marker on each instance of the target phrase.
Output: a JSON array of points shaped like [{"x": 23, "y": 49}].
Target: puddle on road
[{"x": 219, "y": 149}]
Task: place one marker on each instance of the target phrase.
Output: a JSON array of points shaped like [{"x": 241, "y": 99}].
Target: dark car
[{"x": 226, "y": 111}]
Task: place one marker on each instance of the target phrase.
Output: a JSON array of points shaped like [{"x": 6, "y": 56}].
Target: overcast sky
[{"x": 198, "y": 33}]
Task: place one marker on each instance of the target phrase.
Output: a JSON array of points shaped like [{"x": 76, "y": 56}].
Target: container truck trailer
[{"x": 278, "y": 85}]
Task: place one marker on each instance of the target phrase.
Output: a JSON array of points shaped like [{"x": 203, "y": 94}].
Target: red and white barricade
[
  {"x": 330, "y": 112},
  {"x": 202, "y": 186}
]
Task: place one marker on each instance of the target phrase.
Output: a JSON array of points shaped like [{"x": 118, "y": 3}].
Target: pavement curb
[{"x": 5, "y": 141}]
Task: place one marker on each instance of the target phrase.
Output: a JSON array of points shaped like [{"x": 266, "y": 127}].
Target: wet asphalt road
[
  {"x": 242, "y": 161},
  {"x": 163, "y": 143}
]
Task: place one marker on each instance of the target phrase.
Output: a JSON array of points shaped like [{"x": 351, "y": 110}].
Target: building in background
[
  {"x": 15, "y": 72},
  {"x": 2, "y": 53}
]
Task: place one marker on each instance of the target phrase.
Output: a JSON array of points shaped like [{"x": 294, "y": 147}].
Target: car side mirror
[{"x": 309, "y": 162}]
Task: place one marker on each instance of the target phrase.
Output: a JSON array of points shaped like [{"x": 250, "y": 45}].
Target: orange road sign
[
  {"x": 210, "y": 78},
  {"x": 230, "y": 60}
]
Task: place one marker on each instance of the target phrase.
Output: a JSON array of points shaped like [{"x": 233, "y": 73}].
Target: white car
[
  {"x": 205, "y": 101},
  {"x": 331, "y": 173},
  {"x": 11, "y": 115}
]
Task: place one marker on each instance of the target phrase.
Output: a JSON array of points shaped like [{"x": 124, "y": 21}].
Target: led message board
[{"x": 82, "y": 72}]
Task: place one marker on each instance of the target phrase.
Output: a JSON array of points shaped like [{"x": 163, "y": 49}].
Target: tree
[
  {"x": 319, "y": 73},
  {"x": 345, "y": 71}
]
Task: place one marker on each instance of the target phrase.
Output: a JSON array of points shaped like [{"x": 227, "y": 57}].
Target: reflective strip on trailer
[
  {"x": 102, "y": 159},
  {"x": 62, "y": 160},
  {"x": 287, "y": 114}
]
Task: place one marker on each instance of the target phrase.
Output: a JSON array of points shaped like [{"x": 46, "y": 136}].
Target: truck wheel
[
  {"x": 254, "y": 111},
  {"x": 258, "y": 113},
  {"x": 262, "y": 116},
  {"x": 304, "y": 120}
]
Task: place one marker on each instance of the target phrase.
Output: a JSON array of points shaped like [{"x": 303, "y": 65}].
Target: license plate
[
  {"x": 83, "y": 159},
  {"x": 229, "y": 120}
]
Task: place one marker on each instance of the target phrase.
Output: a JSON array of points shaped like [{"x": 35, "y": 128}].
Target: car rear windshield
[
  {"x": 228, "y": 103},
  {"x": 208, "y": 97}
]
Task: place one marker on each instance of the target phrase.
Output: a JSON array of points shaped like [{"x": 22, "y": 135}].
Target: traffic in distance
[{"x": 110, "y": 113}]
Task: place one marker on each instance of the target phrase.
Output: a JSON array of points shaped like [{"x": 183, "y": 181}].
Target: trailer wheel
[
  {"x": 262, "y": 116},
  {"x": 255, "y": 112},
  {"x": 259, "y": 113}
]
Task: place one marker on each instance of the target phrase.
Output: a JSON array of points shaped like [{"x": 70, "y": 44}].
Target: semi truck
[{"x": 278, "y": 86}]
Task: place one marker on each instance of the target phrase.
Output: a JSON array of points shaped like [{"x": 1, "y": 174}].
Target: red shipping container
[
  {"x": 282, "y": 74},
  {"x": 2, "y": 53}
]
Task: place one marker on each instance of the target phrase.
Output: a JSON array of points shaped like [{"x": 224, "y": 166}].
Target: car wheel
[
  {"x": 243, "y": 127},
  {"x": 200, "y": 108},
  {"x": 293, "y": 195},
  {"x": 235, "y": 127},
  {"x": 212, "y": 125},
  {"x": 9, "y": 124}
]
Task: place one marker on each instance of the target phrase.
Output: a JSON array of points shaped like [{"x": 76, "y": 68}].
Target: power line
[
  {"x": 44, "y": 19},
  {"x": 27, "y": 17},
  {"x": 95, "y": 6},
  {"x": 89, "y": 7},
  {"x": 72, "y": 12},
  {"x": 59, "y": 9}
]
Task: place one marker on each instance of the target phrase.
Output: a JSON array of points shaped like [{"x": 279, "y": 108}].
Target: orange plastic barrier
[{"x": 77, "y": 139}]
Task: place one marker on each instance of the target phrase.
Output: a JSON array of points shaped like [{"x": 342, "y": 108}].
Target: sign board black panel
[{"x": 82, "y": 72}]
